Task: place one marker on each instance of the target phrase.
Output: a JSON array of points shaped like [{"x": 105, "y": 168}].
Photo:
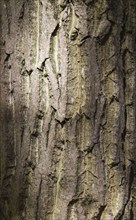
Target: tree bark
[{"x": 68, "y": 110}]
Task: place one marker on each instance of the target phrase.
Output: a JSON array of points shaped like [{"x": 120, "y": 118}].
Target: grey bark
[{"x": 68, "y": 110}]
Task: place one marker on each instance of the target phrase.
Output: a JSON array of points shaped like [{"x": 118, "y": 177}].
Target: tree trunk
[{"x": 68, "y": 110}]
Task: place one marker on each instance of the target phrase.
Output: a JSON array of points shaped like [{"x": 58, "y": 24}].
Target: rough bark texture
[{"x": 68, "y": 110}]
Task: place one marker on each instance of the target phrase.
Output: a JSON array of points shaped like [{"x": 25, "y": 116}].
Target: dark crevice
[
  {"x": 101, "y": 209},
  {"x": 65, "y": 120},
  {"x": 83, "y": 40},
  {"x": 21, "y": 15},
  {"x": 131, "y": 215},
  {"x": 129, "y": 184},
  {"x": 102, "y": 39},
  {"x": 49, "y": 127},
  {"x": 7, "y": 57},
  {"x": 54, "y": 33}
]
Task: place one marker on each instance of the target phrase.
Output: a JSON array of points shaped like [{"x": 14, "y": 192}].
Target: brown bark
[{"x": 68, "y": 110}]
